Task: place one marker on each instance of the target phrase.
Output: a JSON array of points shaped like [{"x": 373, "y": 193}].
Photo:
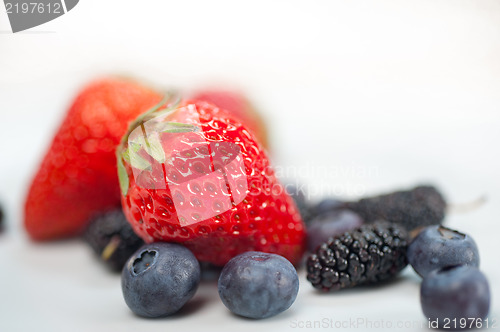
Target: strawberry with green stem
[{"x": 192, "y": 173}]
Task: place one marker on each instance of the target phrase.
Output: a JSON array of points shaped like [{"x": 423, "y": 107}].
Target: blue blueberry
[
  {"x": 159, "y": 279},
  {"x": 437, "y": 246},
  {"x": 299, "y": 195},
  {"x": 329, "y": 225},
  {"x": 455, "y": 292},
  {"x": 328, "y": 205},
  {"x": 258, "y": 285}
]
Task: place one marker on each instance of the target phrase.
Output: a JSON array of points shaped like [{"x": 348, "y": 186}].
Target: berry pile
[{"x": 196, "y": 185}]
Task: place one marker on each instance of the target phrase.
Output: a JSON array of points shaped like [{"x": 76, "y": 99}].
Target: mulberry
[
  {"x": 371, "y": 253},
  {"x": 420, "y": 207}
]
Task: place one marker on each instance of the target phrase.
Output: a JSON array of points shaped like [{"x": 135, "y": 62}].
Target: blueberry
[
  {"x": 112, "y": 238},
  {"x": 330, "y": 225},
  {"x": 258, "y": 285},
  {"x": 159, "y": 279},
  {"x": 299, "y": 195},
  {"x": 455, "y": 292},
  {"x": 327, "y": 205},
  {"x": 437, "y": 246}
]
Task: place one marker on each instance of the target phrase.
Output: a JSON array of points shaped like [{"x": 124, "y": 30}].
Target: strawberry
[
  {"x": 77, "y": 176},
  {"x": 238, "y": 106},
  {"x": 192, "y": 173}
]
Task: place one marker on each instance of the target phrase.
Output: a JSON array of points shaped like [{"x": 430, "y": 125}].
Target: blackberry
[
  {"x": 368, "y": 254},
  {"x": 419, "y": 207},
  {"x": 112, "y": 238}
]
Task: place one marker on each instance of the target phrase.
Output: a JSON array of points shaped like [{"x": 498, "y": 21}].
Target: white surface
[{"x": 361, "y": 97}]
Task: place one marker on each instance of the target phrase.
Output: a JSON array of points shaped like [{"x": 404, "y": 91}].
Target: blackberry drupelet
[
  {"x": 371, "y": 253},
  {"x": 112, "y": 238},
  {"x": 419, "y": 207}
]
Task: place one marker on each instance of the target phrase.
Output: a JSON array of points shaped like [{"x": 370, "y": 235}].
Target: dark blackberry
[
  {"x": 112, "y": 238},
  {"x": 419, "y": 207},
  {"x": 371, "y": 253}
]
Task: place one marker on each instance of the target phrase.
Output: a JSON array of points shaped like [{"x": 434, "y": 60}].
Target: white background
[{"x": 361, "y": 97}]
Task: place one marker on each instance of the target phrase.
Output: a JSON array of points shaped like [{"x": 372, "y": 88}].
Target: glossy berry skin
[
  {"x": 332, "y": 224},
  {"x": 455, "y": 292},
  {"x": 438, "y": 246},
  {"x": 258, "y": 285},
  {"x": 77, "y": 177},
  {"x": 215, "y": 193},
  {"x": 236, "y": 104},
  {"x": 159, "y": 279}
]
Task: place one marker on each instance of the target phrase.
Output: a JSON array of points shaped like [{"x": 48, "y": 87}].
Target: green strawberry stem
[
  {"x": 172, "y": 98},
  {"x": 152, "y": 143}
]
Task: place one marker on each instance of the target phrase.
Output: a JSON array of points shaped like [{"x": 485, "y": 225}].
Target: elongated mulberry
[
  {"x": 419, "y": 207},
  {"x": 371, "y": 253}
]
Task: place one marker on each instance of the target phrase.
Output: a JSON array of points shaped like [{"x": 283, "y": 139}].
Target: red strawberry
[
  {"x": 194, "y": 174},
  {"x": 238, "y": 105},
  {"x": 77, "y": 176}
]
